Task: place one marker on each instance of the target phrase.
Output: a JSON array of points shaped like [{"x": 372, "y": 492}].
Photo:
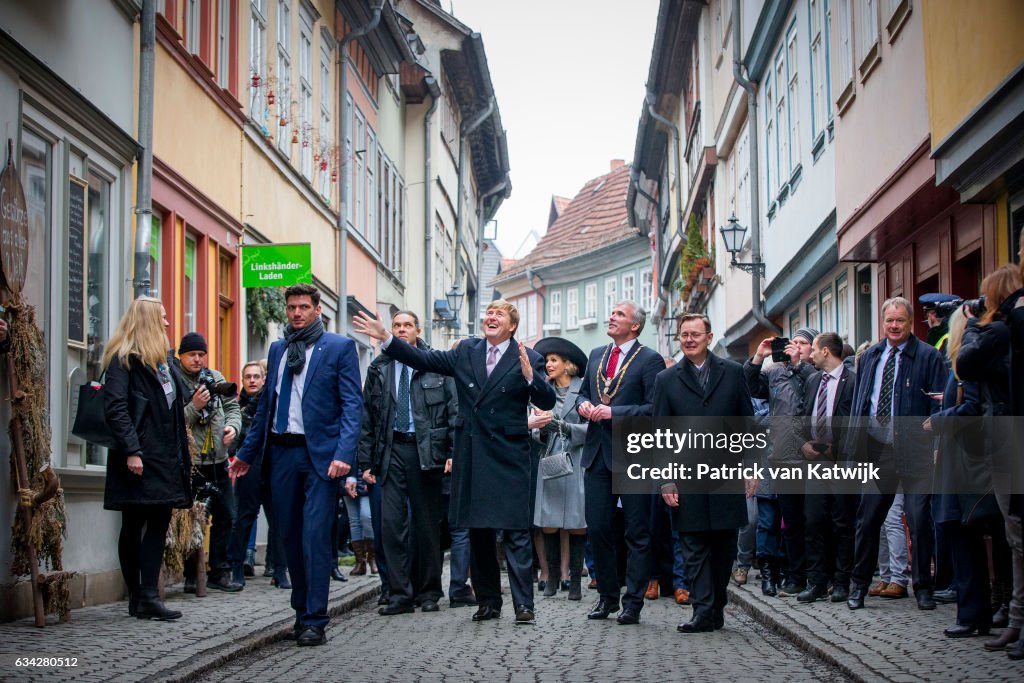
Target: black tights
[{"x": 142, "y": 553}]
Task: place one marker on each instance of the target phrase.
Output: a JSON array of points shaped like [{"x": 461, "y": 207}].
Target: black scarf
[{"x": 298, "y": 340}]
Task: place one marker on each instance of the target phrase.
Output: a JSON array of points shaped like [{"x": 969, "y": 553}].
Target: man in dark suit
[
  {"x": 619, "y": 383},
  {"x": 407, "y": 437},
  {"x": 894, "y": 378},
  {"x": 308, "y": 422},
  {"x": 496, "y": 378},
  {"x": 828, "y": 394},
  {"x": 713, "y": 389}
]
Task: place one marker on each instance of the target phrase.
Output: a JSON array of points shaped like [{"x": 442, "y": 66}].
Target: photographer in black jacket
[{"x": 992, "y": 354}]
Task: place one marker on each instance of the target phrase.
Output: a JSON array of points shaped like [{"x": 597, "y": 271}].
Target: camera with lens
[
  {"x": 221, "y": 388},
  {"x": 947, "y": 308},
  {"x": 207, "y": 491}
]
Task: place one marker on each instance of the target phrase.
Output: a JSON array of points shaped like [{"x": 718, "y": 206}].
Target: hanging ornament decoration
[
  {"x": 316, "y": 156},
  {"x": 270, "y": 98},
  {"x": 295, "y": 137},
  {"x": 282, "y": 122},
  {"x": 256, "y": 80}
]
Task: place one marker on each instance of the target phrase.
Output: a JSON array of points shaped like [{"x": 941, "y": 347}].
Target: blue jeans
[
  {"x": 747, "y": 539},
  {"x": 769, "y": 529},
  {"x": 360, "y": 520},
  {"x": 459, "y": 561}
]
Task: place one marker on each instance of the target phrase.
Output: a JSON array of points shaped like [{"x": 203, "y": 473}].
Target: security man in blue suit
[{"x": 307, "y": 423}]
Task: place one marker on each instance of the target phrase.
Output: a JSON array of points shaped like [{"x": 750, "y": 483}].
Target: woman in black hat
[{"x": 560, "y": 504}]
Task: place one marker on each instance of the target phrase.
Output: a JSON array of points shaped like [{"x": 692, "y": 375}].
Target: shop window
[
  {"x": 155, "y": 258},
  {"x": 37, "y": 181},
  {"x": 97, "y": 295}
]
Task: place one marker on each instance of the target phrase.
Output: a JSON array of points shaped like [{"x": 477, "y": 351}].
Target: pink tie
[{"x": 492, "y": 359}]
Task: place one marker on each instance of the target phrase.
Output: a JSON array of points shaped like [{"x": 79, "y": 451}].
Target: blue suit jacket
[{"x": 332, "y": 404}]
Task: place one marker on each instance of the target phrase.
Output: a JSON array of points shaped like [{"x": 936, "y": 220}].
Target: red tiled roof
[
  {"x": 507, "y": 263},
  {"x": 596, "y": 217},
  {"x": 561, "y": 203}
]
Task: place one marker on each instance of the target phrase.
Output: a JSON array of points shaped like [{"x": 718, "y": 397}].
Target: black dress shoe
[
  {"x": 223, "y": 582},
  {"x": 384, "y": 599},
  {"x": 791, "y": 589},
  {"x": 840, "y": 594},
  {"x": 393, "y": 608},
  {"x": 602, "y": 608},
  {"x": 628, "y": 616},
  {"x": 946, "y": 597},
  {"x": 718, "y": 619},
  {"x": 697, "y": 625},
  {"x": 296, "y": 631},
  {"x": 312, "y": 635},
  {"x": 337, "y": 574},
  {"x": 924, "y": 599},
  {"x": 813, "y": 593},
  {"x": 524, "y": 615},
  {"x": 965, "y": 631},
  {"x": 487, "y": 612},
  {"x": 856, "y": 599},
  {"x": 430, "y": 606},
  {"x": 460, "y": 599},
  {"x": 1001, "y": 617}
]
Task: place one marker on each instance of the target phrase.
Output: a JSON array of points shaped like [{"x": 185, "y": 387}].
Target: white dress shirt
[{"x": 295, "y": 425}]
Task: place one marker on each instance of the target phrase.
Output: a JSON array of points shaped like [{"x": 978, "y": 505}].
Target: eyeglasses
[{"x": 692, "y": 335}]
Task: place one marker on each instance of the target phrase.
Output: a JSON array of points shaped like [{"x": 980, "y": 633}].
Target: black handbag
[
  {"x": 557, "y": 462},
  {"x": 91, "y": 419}
]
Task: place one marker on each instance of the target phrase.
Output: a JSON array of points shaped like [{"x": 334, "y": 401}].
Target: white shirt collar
[
  {"x": 502, "y": 347},
  {"x": 627, "y": 346}
]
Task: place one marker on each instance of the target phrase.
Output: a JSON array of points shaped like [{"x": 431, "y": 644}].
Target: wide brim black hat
[{"x": 564, "y": 348}]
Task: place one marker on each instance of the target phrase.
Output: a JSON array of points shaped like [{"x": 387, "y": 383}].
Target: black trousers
[
  {"x": 871, "y": 513},
  {"x": 221, "y": 506},
  {"x": 970, "y": 567},
  {"x": 793, "y": 532},
  {"x": 408, "y": 488},
  {"x": 486, "y": 573},
  {"x": 708, "y": 558},
  {"x": 140, "y": 546},
  {"x": 251, "y": 491},
  {"x": 831, "y": 520},
  {"x": 600, "y": 513},
  {"x": 662, "y": 550}
]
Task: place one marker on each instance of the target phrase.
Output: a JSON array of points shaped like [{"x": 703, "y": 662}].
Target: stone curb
[
  {"x": 802, "y": 637},
  {"x": 207, "y": 660}
]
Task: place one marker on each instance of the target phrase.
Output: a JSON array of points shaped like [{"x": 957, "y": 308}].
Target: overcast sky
[{"x": 569, "y": 76}]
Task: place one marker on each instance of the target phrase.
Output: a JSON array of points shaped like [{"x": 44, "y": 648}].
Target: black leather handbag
[{"x": 91, "y": 420}]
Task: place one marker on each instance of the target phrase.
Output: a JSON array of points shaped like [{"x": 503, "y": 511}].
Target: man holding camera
[{"x": 214, "y": 418}]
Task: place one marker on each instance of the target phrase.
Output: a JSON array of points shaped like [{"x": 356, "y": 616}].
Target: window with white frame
[
  {"x": 629, "y": 287},
  {"x": 812, "y": 314},
  {"x": 555, "y": 306},
  {"x": 345, "y": 158},
  {"x": 590, "y": 301},
  {"x": 306, "y": 93},
  {"x": 771, "y": 150},
  {"x": 284, "y": 76},
  {"x": 646, "y": 289},
  {"x": 842, "y": 308},
  {"x": 611, "y": 294},
  {"x": 371, "y": 189},
  {"x": 193, "y": 23},
  {"x": 531, "y": 307},
  {"x": 793, "y": 91},
  {"x": 223, "y": 42},
  {"x": 258, "y": 85},
  {"x": 844, "y": 24},
  {"x": 381, "y": 234},
  {"x": 867, "y": 28},
  {"x": 794, "y": 323},
  {"x": 359, "y": 153},
  {"x": 326, "y": 133},
  {"x": 572, "y": 308},
  {"x": 741, "y": 155},
  {"x": 827, "y": 310},
  {"x": 820, "y": 95},
  {"x": 781, "y": 117}
]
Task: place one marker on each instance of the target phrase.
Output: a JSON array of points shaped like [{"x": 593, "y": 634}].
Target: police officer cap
[{"x": 929, "y": 301}]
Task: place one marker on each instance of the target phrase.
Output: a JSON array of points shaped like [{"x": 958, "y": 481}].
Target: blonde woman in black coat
[{"x": 148, "y": 471}]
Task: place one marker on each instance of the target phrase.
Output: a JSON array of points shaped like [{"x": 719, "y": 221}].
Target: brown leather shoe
[
  {"x": 877, "y": 589},
  {"x": 682, "y": 596},
  {"x": 894, "y": 590},
  {"x": 1007, "y": 637},
  {"x": 652, "y": 590},
  {"x": 593, "y": 584}
]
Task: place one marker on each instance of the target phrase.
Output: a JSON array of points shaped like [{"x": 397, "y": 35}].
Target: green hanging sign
[{"x": 276, "y": 265}]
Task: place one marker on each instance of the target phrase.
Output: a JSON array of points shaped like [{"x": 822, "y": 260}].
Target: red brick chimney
[{"x": 617, "y": 163}]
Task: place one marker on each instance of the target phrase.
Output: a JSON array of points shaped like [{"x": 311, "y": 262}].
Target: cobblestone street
[{"x": 563, "y": 645}]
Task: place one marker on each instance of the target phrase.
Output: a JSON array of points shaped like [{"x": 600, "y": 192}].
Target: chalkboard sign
[{"x": 76, "y": 263}]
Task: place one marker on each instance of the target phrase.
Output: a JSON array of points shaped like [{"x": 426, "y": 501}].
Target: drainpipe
[
  {"x": 755, "y": 196},
  {"x": 500, "y": 187},
  {"x": 467, "y": 129},
  {"x": 634, "y": 174},
  {"x": 428, "y": 210},
  {"x": 346, "y": 156},
  {"x": 144, "y": 197},
  {"x": 679, "y": 161}
]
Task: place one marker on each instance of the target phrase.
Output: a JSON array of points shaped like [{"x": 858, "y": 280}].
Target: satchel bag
[
  {"x": 557, "y": 461},
  {"x": 91, "y": 419}
]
